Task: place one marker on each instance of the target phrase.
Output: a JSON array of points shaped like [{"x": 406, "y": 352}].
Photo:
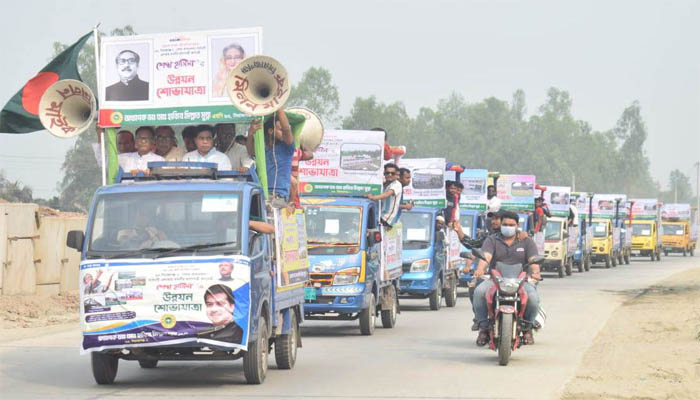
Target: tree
[
  {"x": 81, "y": 175},
  {"x": 317, "y": 92},
  {"x": 14, "y": 192},
  {"x": 633, "y": 175},
  {"x": 368, "y": 113},
  {"x": 679, "y": 189}
]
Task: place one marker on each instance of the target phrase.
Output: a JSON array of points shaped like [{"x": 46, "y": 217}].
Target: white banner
[
  {"x": 427, "y": 187},
  {"x": 454, "y": 247},
  {"x": 391, "y": 249},
  {"x": 557, "y": 197}
]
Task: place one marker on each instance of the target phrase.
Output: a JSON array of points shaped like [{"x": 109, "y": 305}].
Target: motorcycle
[{"x": 506, "y": 302}]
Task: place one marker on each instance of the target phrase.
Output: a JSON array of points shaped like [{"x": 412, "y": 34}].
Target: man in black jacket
[
  {"x": 220, "y": 304},
  {"x": 129, "y": 87}
]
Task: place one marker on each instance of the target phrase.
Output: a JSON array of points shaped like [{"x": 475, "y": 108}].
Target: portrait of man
[
  {"x": 219, "y": 305},
  {"x": 130, "y": 86},
  {"x": 225, "y": 269}
]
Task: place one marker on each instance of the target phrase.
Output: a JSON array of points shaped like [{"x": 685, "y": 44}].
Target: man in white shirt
[
  {"x": 166, "y": 146},
  {"x": 494, "y": 203},
  {"x": 393, "y": 192},
  {"x": 137, "y": 161},
  {"x": 206, "y": 152},
  {"x": 238, "y": 155}
]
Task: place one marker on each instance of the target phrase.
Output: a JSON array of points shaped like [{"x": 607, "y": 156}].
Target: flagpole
[{"x": 100, "y": 133}]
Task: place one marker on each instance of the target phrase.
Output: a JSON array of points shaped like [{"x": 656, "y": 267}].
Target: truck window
[
  {"x": 416, "y": 229},
  {"x": 467, "y": 222},
  {"x": 255, "y": 207},
  {"x": 673, "y": 229},
  {"x": 600, "y": 229},
  {"x": 641, "y": 229},
  {"x": 333, "y": 229},
  {"x": 552, "y": 231},
  {"x": 144, "y": 223}
]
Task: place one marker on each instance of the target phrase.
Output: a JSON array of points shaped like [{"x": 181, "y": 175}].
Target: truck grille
[
  {"x": 406, "y": 267},
  {"x": 323, "y": 279},
  {"x": 637, "y": 246}
]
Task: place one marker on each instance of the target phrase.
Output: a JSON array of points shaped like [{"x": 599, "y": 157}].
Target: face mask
[{"x": 508, "y": 231}]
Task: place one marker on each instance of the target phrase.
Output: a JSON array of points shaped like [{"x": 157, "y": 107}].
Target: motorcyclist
[{"x": 509, "y": 247}]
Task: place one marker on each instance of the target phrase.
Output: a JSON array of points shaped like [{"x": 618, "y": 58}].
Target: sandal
[
  {"x": 528, "y": 338},
  {"x": 483, "y": 338}
]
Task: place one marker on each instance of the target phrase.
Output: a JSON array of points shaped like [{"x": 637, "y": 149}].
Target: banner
[
  {"x": 144, "y": 302},
  {"x": 604, "y": 205},
  {"x": 454, "y": 247},
  {"x": 171, "y": 78},
  {"x": 474, "y": 193},
  {"x": 676, "y": 210},
  {"x": 346, "y": 163},
  {"x": 427, "y": 187},
  {"x": 557, "y": 197},
  {"x": 539, "y": 242},
  {"x": 391, "y": 248},
  {"x": 645, "y": 208},
  {"x": 517, "y": 192},
  {"x": 572, "y": 240},
  {"x": 581, "y": 200},
  {"x": 290, "y": 247}
]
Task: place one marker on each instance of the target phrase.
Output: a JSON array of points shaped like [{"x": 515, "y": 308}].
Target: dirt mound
[{"x": 37, "y": 311}]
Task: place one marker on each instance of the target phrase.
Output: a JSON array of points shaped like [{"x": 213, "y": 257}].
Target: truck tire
[
  {"x": 104, "y": 367},
  {"x": 627, "y": 258},
  {"x": 653, "y": 256},
  {"x": 560, "y": 269},
  {"x": 607, "y": 261},
  {"x": 451, "y": 293},
  {"x": 368, "y": 316},
  {"x": 613, "y": 260},
  {"x": 568, "y": 267},
  {"x": 587, "y": 263},
  {"x": 658, "y": 255},
  {"x": 580, "y": 265},
  {"x": 684, "y": 252},
  {"x": 286, "y": 345},
  {"x": 148, "y": 364},
  {"x": 505, "y": 338},
  {"x": 620, "y": 259},
  {"x": 389, "y": 316},
  {"x": 692, "y": 251},
  {"x": 255, "y": 359},
  {"x": 435, "y": 297}
]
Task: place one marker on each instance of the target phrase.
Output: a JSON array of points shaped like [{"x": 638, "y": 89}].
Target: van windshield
[
  {"x": 467, "y": 222},
  {"x": 600, "y": 229},
  {"x": 641, "y": 229},
  {"x": 333, "y": 225},
  {"x": 416, "y": 230},
  {"x": 552, "y": 231},
  {"x": 673, "y": 229},
  {"x": 144, "y": 224}
]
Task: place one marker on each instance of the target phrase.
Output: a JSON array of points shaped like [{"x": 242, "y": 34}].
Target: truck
[
  {"x": 354, "y": 261},
  {"x": 646, "y": 228},
  {"x": 584, "y": 240},
  {"x": 189, "y": 276},
  {"x": 603, "y": 246},
  {"x": 559, "y": 239},
  {"x": 677, "y": 232},
  {"x": 609, "y": 243}
]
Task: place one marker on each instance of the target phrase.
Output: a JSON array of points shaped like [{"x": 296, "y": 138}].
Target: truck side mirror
[
  {"x": 75, "y": 239},
  {"x": 439, "y": 236}
]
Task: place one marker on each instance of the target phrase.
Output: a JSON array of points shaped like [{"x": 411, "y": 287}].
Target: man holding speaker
[{"x": 137, "y": 161}]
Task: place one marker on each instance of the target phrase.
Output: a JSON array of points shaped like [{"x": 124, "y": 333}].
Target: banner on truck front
[
  {"x": 347, "y": 163},
  {"x": 604, "y": 205},
  {"x": 517, "y": 192},
  {"x": 474, "y": 193},
  {"x": 171, "y": 78},
  {"x": 145, "y": 302},
  {"x": 291, "y": 250},
  {"x": 427, "y": 187},
  {"x": 645, "y": 208},
  {"x": 391, "y": 249},
  {"x": 557, "y": 197},
  {"x": 676, "y": 210}
]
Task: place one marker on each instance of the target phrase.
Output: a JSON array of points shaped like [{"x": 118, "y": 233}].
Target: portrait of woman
[{"x": 231, "y": 55}]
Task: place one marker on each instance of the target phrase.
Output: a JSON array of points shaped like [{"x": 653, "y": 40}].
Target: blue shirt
[{"x": 279, "y": 165}]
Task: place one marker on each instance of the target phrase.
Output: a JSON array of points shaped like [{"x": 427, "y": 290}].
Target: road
[{"x": 428, "y": 355}]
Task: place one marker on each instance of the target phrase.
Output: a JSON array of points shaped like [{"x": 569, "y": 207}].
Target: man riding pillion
[{"x": 510, "y": 248}]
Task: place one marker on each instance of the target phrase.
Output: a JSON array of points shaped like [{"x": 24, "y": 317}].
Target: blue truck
[
  {"x": 346, "y": 278},
  {"x": 425, "y": 256},
  {"x": 165, "y": 238},
  {"x": 472, "y": 224}
]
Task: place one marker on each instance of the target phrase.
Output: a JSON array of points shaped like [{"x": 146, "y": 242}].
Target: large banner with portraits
[
  {"x": 290, "y": 247},
  {"x": 427, "y": 187},
  {"x": 675, "y": 211},
  {"x": 474, "y": 196},
  {"x": 145, "y": 302},
  {"x": 347, "y": 163},
  {"x": 517, "y": 192},
  {"x": 171, "y": 78},
  {"x": 645, "y": 209},
  {"x": 604, "y": 205},
  {"x": 557, "y": 198}
]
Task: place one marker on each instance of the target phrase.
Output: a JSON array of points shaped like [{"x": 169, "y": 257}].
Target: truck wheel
[
  {"x": 368, "y": 316},
  {"x": 255, "y": 359},
  {"x": 451, "y": 294},
  {"x": 684, "y": 252},
  {"x": 607, "y": 261},
  {"x": 620, "y": 259},
  {"x": 652, "y": 255},
  {"x": 148, "y": 363},
  {"x": 587, "y": 263},
  {"x": 389, "y": 316},
  {"x": 505, "y": 338},
  {"x": 560, "y": 270},
  {"x": 569, "y": 267},
  {"x": 286, "y": 345},
  {"x": 692, "y": 251},
  {"x": 104, "y": 367},
  {"x": 627, "y": 258},
  {"x": 665, "y": 253},
  {"x": 435, "y": 297},
  {"x": 613, "y": 260},
  {"x": 580, "y": 265},
  {"x": 658, "y": 255}
]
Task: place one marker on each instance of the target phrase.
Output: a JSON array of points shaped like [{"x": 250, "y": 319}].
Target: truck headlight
[
  {"x": 420, "y": 265},
  {"x": 554, "y": 253},
  {"x": 347, "y": 276}
]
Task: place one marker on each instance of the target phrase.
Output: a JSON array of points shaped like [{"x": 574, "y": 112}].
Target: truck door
[
  {"x": 373, "y": 250},
  {"x": 259, "y": 251}
]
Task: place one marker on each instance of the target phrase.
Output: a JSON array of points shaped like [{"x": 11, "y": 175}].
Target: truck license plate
[{"x": 309, "y": 293}]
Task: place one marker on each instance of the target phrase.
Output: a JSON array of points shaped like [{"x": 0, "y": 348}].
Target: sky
[{"x": 606, "y": 54}]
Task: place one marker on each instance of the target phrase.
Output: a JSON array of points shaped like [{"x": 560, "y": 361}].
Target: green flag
[{"x": 21, "y": 113}]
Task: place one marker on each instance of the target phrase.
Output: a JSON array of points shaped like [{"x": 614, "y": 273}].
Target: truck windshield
[
  {"x": 641, "y": 229},
  {"x": 552, "y": 231},
  {"x": 333, "y": 226},
  {"x": 600, "y": 229},
  {"x": 416, "y": 230},
  {"x": 467, "y": 222},
  {"x": 673, "y": 229},
  {"x": 144, "y": 224}
]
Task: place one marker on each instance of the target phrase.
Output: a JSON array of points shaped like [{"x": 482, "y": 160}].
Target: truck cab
[
  {"x": 676, "y": 237},
  {"x": 557, "y": 256},
  {"x": 603, "y": 249},
  {"x": 645, "y": 239},
  {"x": 473, "y": 225},
  {"x": 424, "y": 256},
  {"x": 345, "y": 280},
  {"x": 167, "y": 242}
]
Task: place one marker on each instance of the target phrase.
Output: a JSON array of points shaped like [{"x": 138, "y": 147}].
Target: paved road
[{"x": 427, "y": 355}]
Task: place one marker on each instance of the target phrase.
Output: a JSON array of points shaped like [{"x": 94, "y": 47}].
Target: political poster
[
  {"x": 474, "y": 193},
  {"x": 144, "y": 302},
  {"x": 604, "y": 205},
  {"x": 676, "y": 211},
  {"x": 427, "y": 187},
  {"x": 645, "y": 208},
  {"x": 581, "y": 200},
  {"x": 391, "y": 249},
  {"x": 171, "y": 78},
  {"x": 454, "y": 247},
  {"x": 557, "y": 198},
  {"x": 347, "y": 163},
  {"x": 291, "y": 250},
  {"x": 517, "y": 192}
]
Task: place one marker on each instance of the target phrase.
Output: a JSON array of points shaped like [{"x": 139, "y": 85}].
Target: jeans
[{"x": 482, "y": 314}]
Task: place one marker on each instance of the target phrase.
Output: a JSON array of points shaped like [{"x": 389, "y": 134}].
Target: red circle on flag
[{"x": 35, "y": 88}]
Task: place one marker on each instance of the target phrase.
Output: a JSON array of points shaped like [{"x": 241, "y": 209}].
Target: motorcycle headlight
[
  {"x": 420, "y": 265},
  {"x": 509, "y": 286},
  {"x": 347, "y": 276}
]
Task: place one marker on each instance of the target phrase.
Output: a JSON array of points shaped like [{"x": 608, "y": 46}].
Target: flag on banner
[{"x": 21, "y": 113}]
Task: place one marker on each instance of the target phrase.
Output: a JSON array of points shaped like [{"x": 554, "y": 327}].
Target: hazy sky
[{"x": 605, "y": 53}]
